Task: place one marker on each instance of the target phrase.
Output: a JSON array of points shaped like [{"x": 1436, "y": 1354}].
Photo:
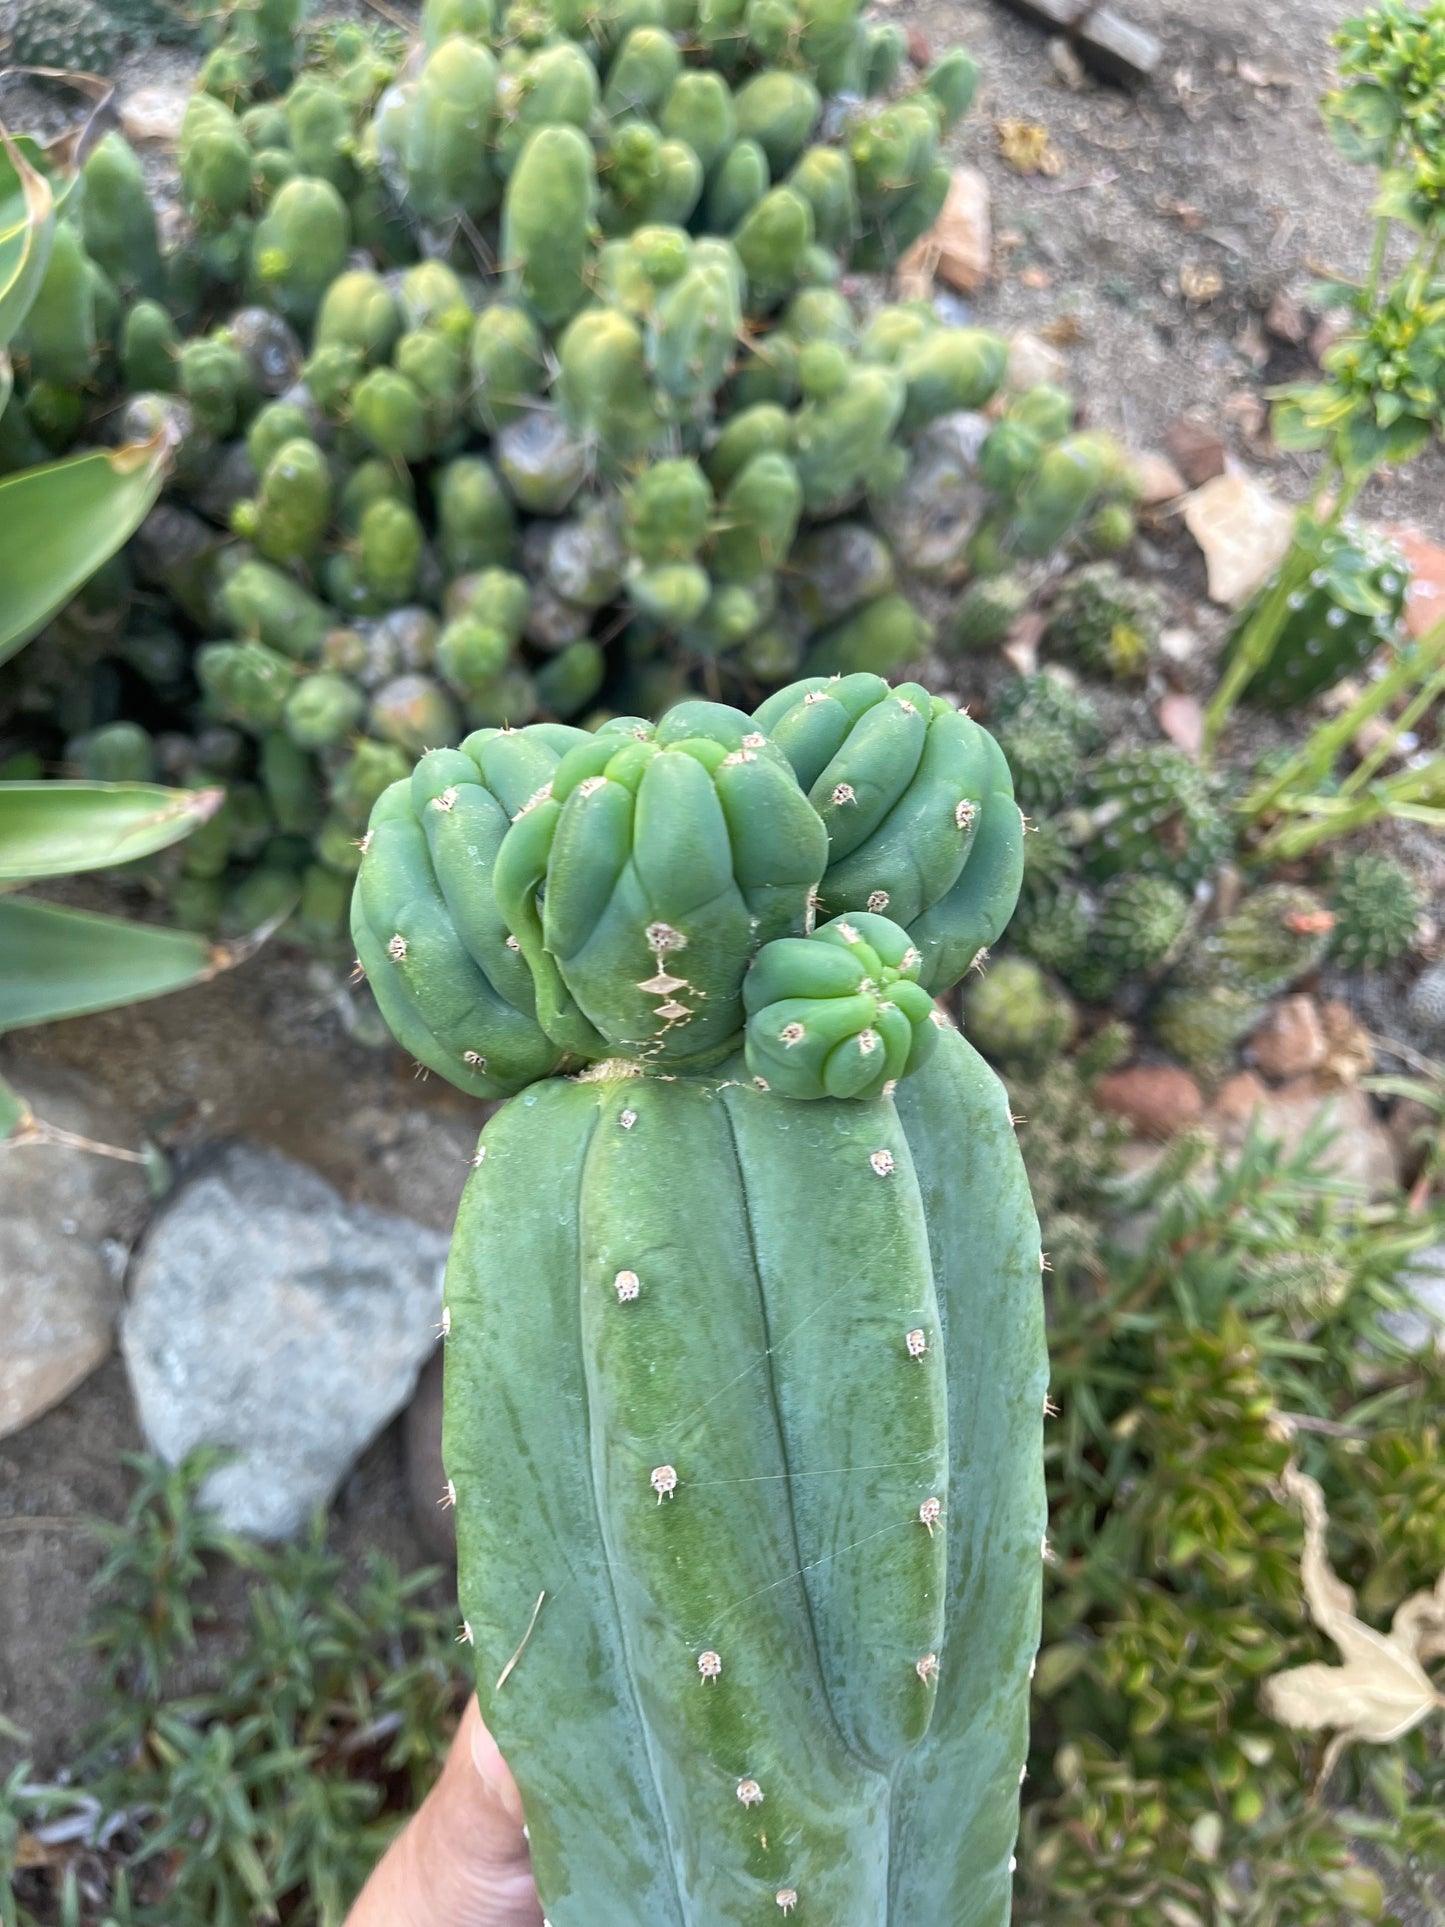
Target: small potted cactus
[{"x": 745, "y": 1365}]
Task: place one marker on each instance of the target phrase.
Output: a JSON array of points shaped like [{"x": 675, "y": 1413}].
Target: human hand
[{"x": 462, "y": 1860}]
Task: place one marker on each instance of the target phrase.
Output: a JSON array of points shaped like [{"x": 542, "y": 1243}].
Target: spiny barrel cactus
[
  {"x": 1377, "y": 909},
  {"x": 1351, "y": 592},
  {"x": 74, "y": 35},
  {"x": 745, "y": 1367},
  {"x": 1044, "y": 727},
  {"x": 1106, "y": 622},
  {"x": 1153, "y": 810}
]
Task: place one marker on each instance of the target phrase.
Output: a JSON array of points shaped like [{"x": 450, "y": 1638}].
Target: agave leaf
[
  {"x": 64, "y": 963},
  {"x": 27, "y": 221},
  {"x": 57, "y": 829},
  {"x": 60, "y": 522}
]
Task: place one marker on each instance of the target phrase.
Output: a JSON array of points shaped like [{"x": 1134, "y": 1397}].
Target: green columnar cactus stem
[{"x": 745, "y": 1379}]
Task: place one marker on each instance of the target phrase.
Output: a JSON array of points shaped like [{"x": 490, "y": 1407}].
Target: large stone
[
  {"x": 67, "y": 1218},
  {"x": 271, "y": 1317},
  {"x": 1244, "y": 533},
  {"x": 958, "y": 249}
]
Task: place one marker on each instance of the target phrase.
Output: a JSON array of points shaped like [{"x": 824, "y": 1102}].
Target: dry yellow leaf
[
  {"x": 1382, "y": 1690},
  {"x": 1026, "y": 146}
]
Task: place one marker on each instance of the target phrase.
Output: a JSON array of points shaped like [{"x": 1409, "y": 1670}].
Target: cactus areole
[{"x": 745, "y": 1363}]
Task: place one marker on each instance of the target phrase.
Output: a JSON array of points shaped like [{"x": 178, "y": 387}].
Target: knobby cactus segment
[
  {"x": 918, "y": 802},
  {"x": 840, "y": 1013},
  {"x": 745, "y": 1369}
]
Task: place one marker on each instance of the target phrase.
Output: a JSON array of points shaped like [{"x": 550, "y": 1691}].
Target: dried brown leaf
[{"x": 1382, "y": 1690}]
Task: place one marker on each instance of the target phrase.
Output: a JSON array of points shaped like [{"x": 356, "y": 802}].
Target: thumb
[
  {"x": 464, "y": 1860},
  {"x": 502, "y": 1799}
]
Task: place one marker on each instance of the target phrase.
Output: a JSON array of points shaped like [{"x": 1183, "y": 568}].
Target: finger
[{"x": 503, "y": 1799}]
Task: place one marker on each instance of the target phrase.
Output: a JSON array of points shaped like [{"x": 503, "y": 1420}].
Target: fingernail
[{"x": 496, "y": 1775}]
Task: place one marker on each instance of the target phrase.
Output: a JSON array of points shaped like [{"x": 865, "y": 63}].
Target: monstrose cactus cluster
[
  {"x": 510, "y": 376},
  {"x": 745, "y": 1368}
]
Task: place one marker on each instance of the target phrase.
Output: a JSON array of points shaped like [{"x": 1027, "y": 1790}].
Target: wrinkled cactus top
[{"x": 548, "y": 897}]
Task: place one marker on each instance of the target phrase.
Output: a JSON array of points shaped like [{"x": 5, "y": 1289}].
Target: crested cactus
[
  {"x": 796, "y": 1631},
  {"x": 542, "y": 297}
]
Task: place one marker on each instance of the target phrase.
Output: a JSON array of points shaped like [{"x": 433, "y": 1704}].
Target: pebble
[
  {"x": 1291, "y": 1039},
  {"x": 154, "y": 114},
  {"x": 1244, "y": 533},
  {"x": 1157, "y": 1100}
]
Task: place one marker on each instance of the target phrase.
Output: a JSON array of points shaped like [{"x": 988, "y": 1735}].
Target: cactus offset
[{"x": 792, "y": 1678}]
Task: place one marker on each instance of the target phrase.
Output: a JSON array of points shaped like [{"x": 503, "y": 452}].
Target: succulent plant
[
  {"x": 615, "y": 930},
  {"x": 1347, "y": 607},
  {"x": 987, "y": 610},
  {"x": 1054, "y": 929},
  {"x": 1107, "y": 622},
  {"x": 75, "y": 35},
  {"x": 1137, "y": 922},
  {"x": 1153, "y": 811},
  {"x": 1274, "y": 937},
  {"x": 1218, "y": 991},
  {"x": 1015, "y": 1015},
  {"x": 659, "y": 410},
  {"x": 1377, "y": 908},
  {"x": 1044, "y": 728}
]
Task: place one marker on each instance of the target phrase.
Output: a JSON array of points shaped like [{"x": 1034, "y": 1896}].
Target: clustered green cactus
[
  {"x": 1045, "y": 728},
  {"x": 517, "y": 382},
  {"x": 1015, "y": 1016},
  {"x": 82, "y": 36},
  {"x": 1153, "y": 812},
  {"x": 740, "y": 1121}
]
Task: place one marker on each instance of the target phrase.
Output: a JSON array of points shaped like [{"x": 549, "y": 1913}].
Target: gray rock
[
  {"x": 1422, "y": 1328},
  {"x": 931, "y": 518},
  {"x": 270, "y": 1316},
  {"x": 67, "y": 1217}
]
